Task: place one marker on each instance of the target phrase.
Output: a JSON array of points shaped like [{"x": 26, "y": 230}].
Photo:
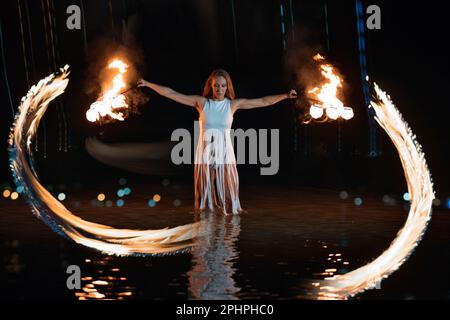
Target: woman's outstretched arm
[
  {"x": 191, "y": 100},
  {"x": 263, "y": 102}
]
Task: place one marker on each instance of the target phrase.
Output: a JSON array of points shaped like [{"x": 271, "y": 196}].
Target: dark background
[{"x": 178, "y": 43}]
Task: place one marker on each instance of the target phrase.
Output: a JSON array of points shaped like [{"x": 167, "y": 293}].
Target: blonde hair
[{"x": 207, "y": 90}]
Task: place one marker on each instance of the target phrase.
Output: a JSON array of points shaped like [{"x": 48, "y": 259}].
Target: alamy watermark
[
  {"x": 218, "y": 146},
  {"x": 374, "y": 20},
  {"x": 74, "y": 279},
  {"x": 74, "y": 19}
]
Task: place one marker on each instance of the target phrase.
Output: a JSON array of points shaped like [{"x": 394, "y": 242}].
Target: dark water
[{"x": 288, "y": 236}]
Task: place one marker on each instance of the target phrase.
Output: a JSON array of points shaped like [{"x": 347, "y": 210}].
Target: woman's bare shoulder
[
  {"x": 234, "y": 104},
  {"x": 200, "y": 103}
]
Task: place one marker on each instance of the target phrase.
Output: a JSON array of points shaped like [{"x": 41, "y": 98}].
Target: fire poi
[
  {"x": 112, "y": 103},
  {"x": 325, "y": 102},
  {"x": 164, "y": 241}
]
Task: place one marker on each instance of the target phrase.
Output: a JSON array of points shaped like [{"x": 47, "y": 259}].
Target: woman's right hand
[{"x": 143, "y": 83}]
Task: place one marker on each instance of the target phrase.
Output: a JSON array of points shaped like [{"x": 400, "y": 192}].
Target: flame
[
  {"x": 325, "y": 97},
  {"x": 46, "y": 207},
  {"x": 111, "y": 101},
  {"x": 318, "y": 57},
  {"x": 420, "y": 187}
]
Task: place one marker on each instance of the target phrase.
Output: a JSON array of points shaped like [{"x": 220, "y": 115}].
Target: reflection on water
[
  {"x": 292, "y": 243},
  {"x": 11, "y": 259},
  {"x": 104, "y": 281},
  {"x": 213, "y": 258}
]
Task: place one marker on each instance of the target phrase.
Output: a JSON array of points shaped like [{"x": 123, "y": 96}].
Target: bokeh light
[
  {"x": 176, "y": 203},
  {"x": 436, "y": 202},
  {"x": 6, "y": 193},
  {"x": 343, "y": 195}
]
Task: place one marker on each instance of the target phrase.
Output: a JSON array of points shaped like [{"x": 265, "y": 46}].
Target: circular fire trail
[
  {"x": 420, "y": 188},
  {"x": 143, "y": 242},
  {"x": 101, "y": 237}
]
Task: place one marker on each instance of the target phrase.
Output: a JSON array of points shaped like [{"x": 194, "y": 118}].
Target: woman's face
[{"x": 219, "y": 87}]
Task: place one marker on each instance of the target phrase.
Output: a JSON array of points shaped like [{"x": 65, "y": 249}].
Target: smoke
[
  {"x": 298, "y": 59},
  {"x": 298, "y": 62}
]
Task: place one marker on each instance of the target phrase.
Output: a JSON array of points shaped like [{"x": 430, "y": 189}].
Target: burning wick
[
  {"x": 112, "y": 100},
  {"x": 326, "y": 100}
]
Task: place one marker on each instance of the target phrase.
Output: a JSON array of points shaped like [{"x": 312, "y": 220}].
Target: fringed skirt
[{"x": 216, "y": 180}]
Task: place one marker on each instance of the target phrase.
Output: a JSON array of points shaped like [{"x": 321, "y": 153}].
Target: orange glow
[
  {"x": 420, "y": 189},
  {"x": 325, "y": 96},
  {"x": 126, "y": 293},
  {"x": 318, "y": 57},
  {"x": 111, "y": 100},
  {"x": 106, "y": 239}
]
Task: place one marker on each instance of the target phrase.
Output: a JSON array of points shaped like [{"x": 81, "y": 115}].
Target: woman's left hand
[
  {"x": 142, "y": 83},
  {"x": 292, "y": 94}
]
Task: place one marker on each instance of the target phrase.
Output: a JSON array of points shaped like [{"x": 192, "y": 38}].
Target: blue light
[
  {"x": 151, "y": 203},
  {"x": 358, "y": 201},
  {"x": 19, "y": 189},
  {"x": 127, "y": 191},
  {"x": 120, "y": 193},
  {"x": 447, "y": 203},
  {"x": 120, "y": 203},
  {"x": 406, "y": 196},
  {"x": 360, "y": 26}
]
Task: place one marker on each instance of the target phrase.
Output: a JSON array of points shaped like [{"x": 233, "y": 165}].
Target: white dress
[{"x": 216, "y": 180}]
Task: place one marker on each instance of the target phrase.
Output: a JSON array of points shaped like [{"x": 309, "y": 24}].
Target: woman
[{"x": 216, "y": 180}]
